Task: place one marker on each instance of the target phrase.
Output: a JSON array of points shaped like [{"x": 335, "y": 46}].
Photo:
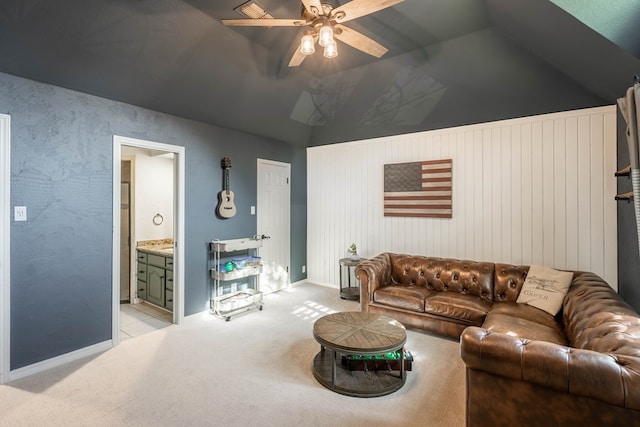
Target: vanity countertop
[{"x": 162, "y": 247}]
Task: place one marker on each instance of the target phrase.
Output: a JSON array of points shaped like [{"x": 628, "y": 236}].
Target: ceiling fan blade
[
  {"x": 297, "y": 58},
  {"x": 357, "y": 8},
  {"x": 359, "y": 41},
  {"x": 265, "y": 22},
  {"x": 314, "y": 7}
]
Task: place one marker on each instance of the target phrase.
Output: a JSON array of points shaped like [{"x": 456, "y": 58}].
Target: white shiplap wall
[{"x": 534, "y": 190}]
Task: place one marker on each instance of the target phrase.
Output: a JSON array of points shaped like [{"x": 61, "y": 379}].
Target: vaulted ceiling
[{"x": 450, "y": 62}]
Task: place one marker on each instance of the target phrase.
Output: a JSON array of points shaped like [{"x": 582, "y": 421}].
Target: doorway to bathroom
[{"x": 148, "y": 215}]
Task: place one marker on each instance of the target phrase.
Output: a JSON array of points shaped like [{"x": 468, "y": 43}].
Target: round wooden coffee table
[{"x": 362, "y": 334}]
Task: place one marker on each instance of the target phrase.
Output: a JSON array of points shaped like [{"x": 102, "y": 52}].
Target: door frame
[
  {"x": 178, "y": 226},
  {"x": 260, "y": 164},
  {"x": 132, "y": 255},
  {"x": 5, "y": 247}
]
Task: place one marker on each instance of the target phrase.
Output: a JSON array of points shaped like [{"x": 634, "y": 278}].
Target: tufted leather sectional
[
  {"x": 581, "y": 367},
  {"x": 438, "y": 295}
]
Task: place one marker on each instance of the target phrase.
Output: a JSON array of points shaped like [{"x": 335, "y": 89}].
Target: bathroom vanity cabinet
[{"x": 155, "y": 278}]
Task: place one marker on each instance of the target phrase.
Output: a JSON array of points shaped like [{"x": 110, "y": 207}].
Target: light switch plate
[
  {"x": 19, "y": 213},
  {"x": 253, "y": 210}
]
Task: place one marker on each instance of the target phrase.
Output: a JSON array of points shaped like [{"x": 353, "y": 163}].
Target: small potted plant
[{"x": 353, "y": 252}]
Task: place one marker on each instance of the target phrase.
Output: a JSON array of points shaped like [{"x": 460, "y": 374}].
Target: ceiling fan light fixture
[
  {"x": 331, "y": 50},
  {"x": 325, "y": 35},
  {"x": 307, "y": 45},
  {"x": 324, "y": 22}
]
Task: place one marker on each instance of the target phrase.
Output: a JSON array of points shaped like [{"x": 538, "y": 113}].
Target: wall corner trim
[{"x": 5, "y": 246}]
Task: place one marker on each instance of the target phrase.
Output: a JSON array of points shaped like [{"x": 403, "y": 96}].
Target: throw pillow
[{"x": 545, "y": 288}]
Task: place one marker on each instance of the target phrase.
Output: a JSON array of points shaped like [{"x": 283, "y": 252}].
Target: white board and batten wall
[{"x": 534, "y": 190}]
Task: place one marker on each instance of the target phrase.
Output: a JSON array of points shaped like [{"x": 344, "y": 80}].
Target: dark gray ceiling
[{"x": 450, "y": 62}]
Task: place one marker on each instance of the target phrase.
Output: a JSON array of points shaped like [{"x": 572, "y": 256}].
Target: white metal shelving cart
[{"x": 230, "y": 270}]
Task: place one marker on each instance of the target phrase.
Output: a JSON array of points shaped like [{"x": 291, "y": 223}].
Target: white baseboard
[
  {"x": 63, "y": 359},
  {"x": 298, "y": 283},
  {"x": 327, "y": 285}
]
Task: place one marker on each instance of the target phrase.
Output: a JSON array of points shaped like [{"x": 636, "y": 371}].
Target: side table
[{"x": 347, "y": 291}]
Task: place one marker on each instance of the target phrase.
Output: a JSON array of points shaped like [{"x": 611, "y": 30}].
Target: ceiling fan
[{"x": 325, "y": 22}]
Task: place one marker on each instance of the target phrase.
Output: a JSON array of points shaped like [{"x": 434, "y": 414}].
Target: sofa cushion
[
  {"x": 408, "y": 269},
  {"x": 407, "y": 297},
  {"x": 457, "y": 306},
  {"x": 526, "y": 312},
  {"x": 545, "y": 288},
  {"x": 460, "y": 276},
  {"x": 509, "y": 281},
  {"x": 441, "y": 274},
  {"x": 524, "y": 328}
]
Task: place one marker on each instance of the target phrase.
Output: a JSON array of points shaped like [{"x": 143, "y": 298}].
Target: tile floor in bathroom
[{"x": 140, "y": 319}]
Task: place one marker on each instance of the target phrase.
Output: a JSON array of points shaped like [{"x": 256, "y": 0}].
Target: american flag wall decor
[{"x": 418, "y": 189}]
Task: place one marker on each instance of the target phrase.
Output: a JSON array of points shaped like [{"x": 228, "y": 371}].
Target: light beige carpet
[{"x": 252, "y": 371}]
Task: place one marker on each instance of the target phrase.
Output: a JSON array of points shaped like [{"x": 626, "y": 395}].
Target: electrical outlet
[
  {"x": 304, "y": 269},
  {"x": 19, "y": 213}
]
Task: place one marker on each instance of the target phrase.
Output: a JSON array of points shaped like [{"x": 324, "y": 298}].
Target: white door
[{"x": 273, "y": 220}]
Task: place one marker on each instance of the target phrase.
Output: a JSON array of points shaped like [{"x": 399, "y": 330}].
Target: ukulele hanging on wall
[{"x": 226, "y": 207}]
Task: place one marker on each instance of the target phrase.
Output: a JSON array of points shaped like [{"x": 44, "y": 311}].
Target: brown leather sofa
[{"x": 524, "y": 366}]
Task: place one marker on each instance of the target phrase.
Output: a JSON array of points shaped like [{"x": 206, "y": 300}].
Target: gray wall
[{"x": 61, "y": 169}]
